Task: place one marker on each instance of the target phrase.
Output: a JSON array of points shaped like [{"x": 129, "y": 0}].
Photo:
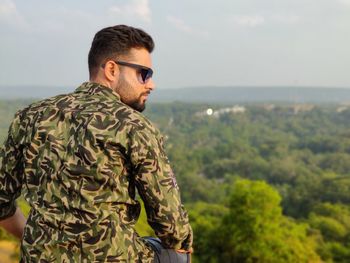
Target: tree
[
  {"x": 254, "y": 230},
  {"x": 205, "y": 219},
  {"x": 333, "y": 221}
]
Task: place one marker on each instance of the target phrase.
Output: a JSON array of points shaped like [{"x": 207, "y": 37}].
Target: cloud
[
  {"x": 248, "y": 20},
  {"x": 344, "y": 2},
  {"x": 136, "y": 8},
  {"x": 180, "y": 25},
  {"x": 7, "y": 8},
  {"x": 9, "y": 13}
]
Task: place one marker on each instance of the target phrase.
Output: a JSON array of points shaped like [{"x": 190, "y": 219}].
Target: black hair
[{"x": 114, "y": 41}]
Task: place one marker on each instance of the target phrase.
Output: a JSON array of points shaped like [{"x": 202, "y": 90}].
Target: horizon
[
  {"x": 277, "y": 86},
  {"x": 205, "y": 94}
]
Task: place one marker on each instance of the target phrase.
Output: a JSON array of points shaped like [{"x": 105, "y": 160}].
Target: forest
[{"x": 262, "y": 182}]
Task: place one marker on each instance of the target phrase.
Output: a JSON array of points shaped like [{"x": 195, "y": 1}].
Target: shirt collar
[{"x": 92, "y": 88}]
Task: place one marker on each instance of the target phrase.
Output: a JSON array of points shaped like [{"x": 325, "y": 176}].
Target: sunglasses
[{"x": 145, "y": 72}]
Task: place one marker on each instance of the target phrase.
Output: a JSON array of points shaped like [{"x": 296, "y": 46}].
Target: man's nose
[{"x": 150, "y": 84}]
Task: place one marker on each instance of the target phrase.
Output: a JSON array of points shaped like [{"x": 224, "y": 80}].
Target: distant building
[
  {"x": 302, "y": 108},
  {"x": 216, "y": 113},
  {"x": 269, "y": 107},
  {"x": 342, "y": 108}
]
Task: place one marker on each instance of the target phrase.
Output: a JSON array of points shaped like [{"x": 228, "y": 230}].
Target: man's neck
[{"x": 101, "y": 82}]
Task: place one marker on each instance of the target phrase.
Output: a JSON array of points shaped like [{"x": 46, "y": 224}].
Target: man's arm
[
  {"x": 158, "y": 188},
  {"x": 14, "y": 224},
  {"x": 11, "y": 172}
]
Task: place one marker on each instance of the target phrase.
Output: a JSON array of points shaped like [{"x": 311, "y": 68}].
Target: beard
[
  {"x": 124, "y": 89},
  {"x": 138, "y": 105}
]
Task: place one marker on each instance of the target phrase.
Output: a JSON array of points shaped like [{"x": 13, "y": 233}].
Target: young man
[{"x": 79, "y": 159}]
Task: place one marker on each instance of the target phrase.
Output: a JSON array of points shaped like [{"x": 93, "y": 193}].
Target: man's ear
[{"x": 111, "y": 71}]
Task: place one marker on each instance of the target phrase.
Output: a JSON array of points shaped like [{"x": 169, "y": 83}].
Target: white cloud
[
  {"x": 9, "y": 13},
  {"x": 181, "y": 25},
  {"x": 249, "y": 20},
  {"x": 345, "y": 2},
  {"x": 7, "y": 8},
  {"x": 136, "y": 8}
]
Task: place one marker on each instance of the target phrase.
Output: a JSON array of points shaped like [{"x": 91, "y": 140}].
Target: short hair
[{"x": 114, "y": 41}]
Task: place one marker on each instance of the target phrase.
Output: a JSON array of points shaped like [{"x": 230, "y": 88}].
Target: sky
[{"x": 198, "y": 42}]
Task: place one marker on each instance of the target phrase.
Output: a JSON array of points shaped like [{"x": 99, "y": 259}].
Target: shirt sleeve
[
  {"x": 157, "y": 186},
  {"x": 10, "y": 172}
]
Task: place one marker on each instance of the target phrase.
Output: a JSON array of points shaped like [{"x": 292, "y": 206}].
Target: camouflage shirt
[{"x": 78, "y": 159}]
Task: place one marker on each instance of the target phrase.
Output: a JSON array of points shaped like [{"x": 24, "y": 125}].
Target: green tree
[
  {"x": 254, "y": 230},
  {"x": 333, "y": 221},
  {"x": 205, "y": 219}
]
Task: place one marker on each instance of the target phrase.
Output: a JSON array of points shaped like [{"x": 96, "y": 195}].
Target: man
[{"x": 79, "y": 159}]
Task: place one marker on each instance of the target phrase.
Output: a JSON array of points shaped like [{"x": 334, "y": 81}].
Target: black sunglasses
[{"x": 145, "y": 72}]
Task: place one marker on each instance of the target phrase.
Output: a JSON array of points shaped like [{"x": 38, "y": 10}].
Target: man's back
[
  {"x": 80, "y": 158},
  {"x": 80, "y": 154}
]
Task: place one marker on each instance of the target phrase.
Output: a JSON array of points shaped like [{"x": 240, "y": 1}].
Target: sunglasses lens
[{"x": 146, "y": 74}]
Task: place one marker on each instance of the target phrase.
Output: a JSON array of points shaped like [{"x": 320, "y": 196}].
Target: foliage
[
  {"x": 254, "y": 229},
  {"x": 296, "y": 160},
  {"x": 333, "y": 221}
]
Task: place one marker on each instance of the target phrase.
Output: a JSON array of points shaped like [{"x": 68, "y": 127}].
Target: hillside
[
  {"x": 271, "y": 177},
  {"x": 208, "y": 94}
]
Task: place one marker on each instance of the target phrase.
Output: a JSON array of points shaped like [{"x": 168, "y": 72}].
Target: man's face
[{"x": 132, "y": 89}]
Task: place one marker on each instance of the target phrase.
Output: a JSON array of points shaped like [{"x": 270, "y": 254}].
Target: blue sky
[{"x": 198, "y": 43}]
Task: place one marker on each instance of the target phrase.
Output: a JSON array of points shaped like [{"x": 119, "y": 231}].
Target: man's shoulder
[
  {"x": 140, "y": 122},
  {"x": 39, "y": 105},
  {"x": 99, "y": 105}
]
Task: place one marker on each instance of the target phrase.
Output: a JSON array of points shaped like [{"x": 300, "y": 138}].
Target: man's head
[{"x": 119, "y": 58}]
